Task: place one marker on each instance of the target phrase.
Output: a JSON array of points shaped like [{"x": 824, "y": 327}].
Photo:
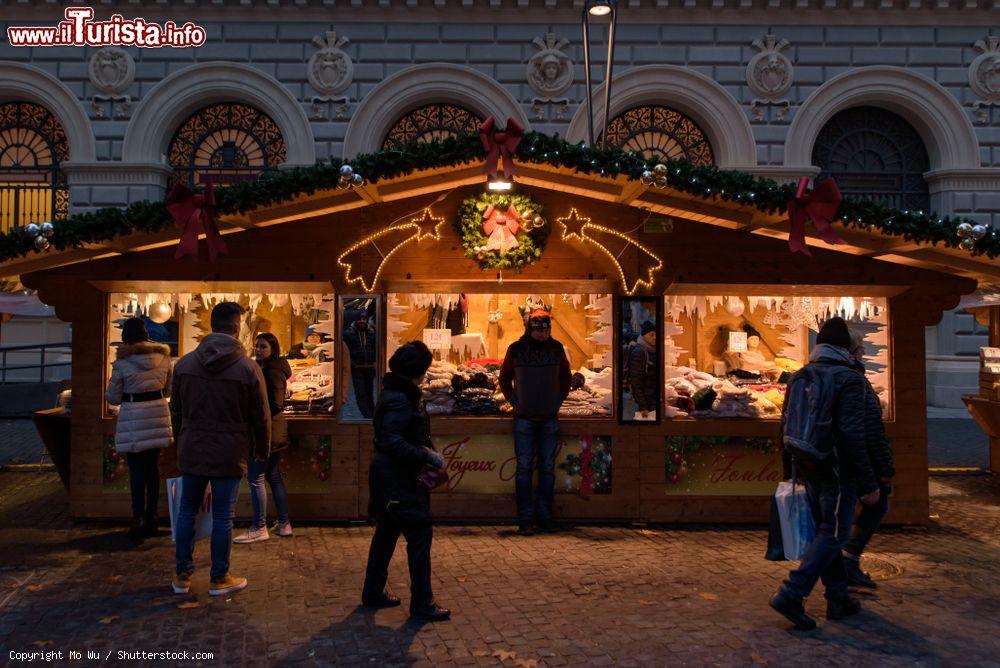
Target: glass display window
[
  {"x": 731, "y": 356},
  {"x": 469, "y": 335},
  {"x": 303, "y": 325}
]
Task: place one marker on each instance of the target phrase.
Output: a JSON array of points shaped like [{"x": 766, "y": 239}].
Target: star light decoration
[
  {"x": 579, "y": 228},
  {"x": 418, "y": 228}
]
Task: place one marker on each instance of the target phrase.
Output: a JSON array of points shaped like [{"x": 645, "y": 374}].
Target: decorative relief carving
[
  {"x": 111, "y": 71},
  {"x": 984, "y": 77},
  {"x": 550, "y": 74},
  {"x": 330, "y": 71},
  {"x": 769, "y": 76}
]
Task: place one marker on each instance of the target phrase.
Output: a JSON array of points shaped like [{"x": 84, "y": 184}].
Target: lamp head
[
  {"x": 500, "y": 182},
  {"x": 600, "y": 8}
]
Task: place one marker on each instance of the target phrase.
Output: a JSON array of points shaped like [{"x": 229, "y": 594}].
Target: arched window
[
  {"x": 873, "y": 153},
  {"x": 657, "y": 131},
  {"x": 32, "y": 146},
  {"x": 225, "y": 143},
  {"x": 432, "y": 121}
]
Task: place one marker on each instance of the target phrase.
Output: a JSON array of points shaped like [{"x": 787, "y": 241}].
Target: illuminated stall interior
[
  {"x": 303, "y": 323},
  {"x": 470, "y": 333},
  {"x": 732, "y": 355}
]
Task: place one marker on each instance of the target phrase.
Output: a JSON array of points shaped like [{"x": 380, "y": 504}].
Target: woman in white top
[{"x": 140, "y": 384}]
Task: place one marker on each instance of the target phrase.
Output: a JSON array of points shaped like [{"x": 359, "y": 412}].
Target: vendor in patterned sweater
[{"x": 535, "y": 379}]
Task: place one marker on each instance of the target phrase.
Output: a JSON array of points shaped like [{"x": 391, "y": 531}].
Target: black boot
[
  {"x": 841, "y": 607},
  {"x": 792, "y": 609},
  {"x": 547, "y": 526},
  {"x": 857, "y": 577},
  {"x": 430, "y": 613},
  {"x": 383, "y": 600},
  {"x": 135, "y": 531},
  {"x": 150, "y": 525}
]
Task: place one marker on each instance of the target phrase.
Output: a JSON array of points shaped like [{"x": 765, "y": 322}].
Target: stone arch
[
  {"x": 934, "y": 113},
  {"x": 26, "y": 82},
  {"x": 182, "y": 93},
  {"x": 705, "y": 101},
  {"x": 423, "y": 84}
]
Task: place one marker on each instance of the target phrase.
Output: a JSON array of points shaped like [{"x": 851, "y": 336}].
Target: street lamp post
[{"x": 599, "y": 8}]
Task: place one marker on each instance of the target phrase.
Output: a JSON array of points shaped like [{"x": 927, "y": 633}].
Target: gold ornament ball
[
  {"x": 160, "y": 312},
  {"x": 357, "y": 180},
  {"x": 538, "y": 221},
  {"x": 661, "y": 182},
  {"x": 660, "y": 170},
  {"x": 647, "y": 178},
  {"x": 968, "y": 243},
  {"x": 964, "y": 231},
  {"x": 978, "y": 232},
  {"x": 41, "y": 243},
  {"x": 32, "y": 229},
  {"x": 48, "y": 229}
]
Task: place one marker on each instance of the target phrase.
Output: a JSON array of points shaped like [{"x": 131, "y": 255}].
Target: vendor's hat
[
  {"x": 834, "y": 332},
  {"x": 648, "y": 327}
]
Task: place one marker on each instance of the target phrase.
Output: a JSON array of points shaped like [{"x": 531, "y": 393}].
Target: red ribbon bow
[
  {"x": 188, "y": 208},
  {"x": 499, "y": 143},
  {"x": 820, "y": 205}
]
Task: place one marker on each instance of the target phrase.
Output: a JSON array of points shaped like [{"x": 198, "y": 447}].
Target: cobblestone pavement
[
  {"x": 589, "y": 596},
  {"x": 19, "y": 442}
]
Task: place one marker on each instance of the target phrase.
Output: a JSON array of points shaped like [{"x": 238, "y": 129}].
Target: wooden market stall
[
  {"x": 698, "y": 264},
  {"x": 984, "y": 406}
]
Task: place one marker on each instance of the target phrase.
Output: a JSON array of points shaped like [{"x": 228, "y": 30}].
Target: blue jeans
[
  {"x": 225, "y": 491},
  {"x": 832, "y": 506},
  {"x": 535, "y": 438},
  {"x": 257, "y": 471}
]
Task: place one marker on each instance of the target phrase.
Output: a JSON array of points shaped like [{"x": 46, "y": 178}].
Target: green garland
[
  {"x": 708, "y": 182},
  {"x": 469, "y": 225}
]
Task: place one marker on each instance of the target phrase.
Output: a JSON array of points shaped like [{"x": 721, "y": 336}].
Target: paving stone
[{"x": 513, "y": 600}]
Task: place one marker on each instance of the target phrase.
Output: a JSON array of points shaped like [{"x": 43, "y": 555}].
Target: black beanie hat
[
  {"x": 648, "y": 327},
  {"x": 834, "y": 331},
  {"x": 411, "y": 360},
  {"x": 134, "y": 331}
]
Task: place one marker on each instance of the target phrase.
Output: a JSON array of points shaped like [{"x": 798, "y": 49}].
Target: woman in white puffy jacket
[{"x": 140, "y": 383}]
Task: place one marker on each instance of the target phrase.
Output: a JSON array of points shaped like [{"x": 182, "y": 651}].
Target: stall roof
[{"x": 284, "y": 205}]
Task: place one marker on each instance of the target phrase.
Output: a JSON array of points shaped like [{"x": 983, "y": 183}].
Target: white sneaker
[
  {"x": 283, "y": 530},
  {"x": 253, "y": 536}
]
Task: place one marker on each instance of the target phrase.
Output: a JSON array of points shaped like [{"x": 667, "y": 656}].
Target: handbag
[
  {"x": 202, "y": 519},
  {"x": 431, "y": 477}
]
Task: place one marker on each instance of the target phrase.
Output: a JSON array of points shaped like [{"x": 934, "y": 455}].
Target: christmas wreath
[{"x": 502, "y": 231}]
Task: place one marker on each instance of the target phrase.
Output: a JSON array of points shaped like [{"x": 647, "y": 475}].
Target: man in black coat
[
  {"x": 398, "y": 502},
  {"x": 833, "y": 485},
  {"x": 359, "y": 337},
  {"x": 869, "y": 518}
]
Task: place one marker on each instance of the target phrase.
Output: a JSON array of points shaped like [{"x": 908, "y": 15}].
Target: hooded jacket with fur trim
[{"x": 142, "y": 425}]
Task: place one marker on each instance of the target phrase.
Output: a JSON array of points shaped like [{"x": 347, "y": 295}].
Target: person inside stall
[
  {"x": 643, "y": 373},
  {"x": 359, "y": 337},
  {"x": 535, "y": 379},
  {"x": 306, "y": 348}
]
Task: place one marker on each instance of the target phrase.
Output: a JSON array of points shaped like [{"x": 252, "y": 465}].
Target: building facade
[{"x": 898, "y": 99}]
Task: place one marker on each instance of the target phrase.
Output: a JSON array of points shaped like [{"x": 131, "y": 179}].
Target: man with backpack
[{"x": 823, "y": 431}]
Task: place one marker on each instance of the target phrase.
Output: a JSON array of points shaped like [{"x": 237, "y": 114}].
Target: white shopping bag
[
  {"x": 797, "y": 526},
  {"x": 203, "y": 518}
]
